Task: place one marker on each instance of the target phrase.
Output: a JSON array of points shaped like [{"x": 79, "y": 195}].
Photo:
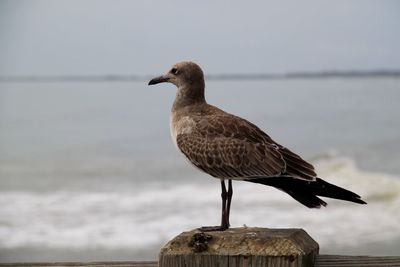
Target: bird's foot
[{"x": 213, "y": 228}]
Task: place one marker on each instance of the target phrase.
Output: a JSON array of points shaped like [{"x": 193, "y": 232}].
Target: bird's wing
[
  {"x": 224, "y": 157},
  {"x": 232, "y": 147}
]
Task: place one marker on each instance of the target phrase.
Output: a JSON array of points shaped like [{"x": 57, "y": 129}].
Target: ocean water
[{"x": 88, "y": 170}]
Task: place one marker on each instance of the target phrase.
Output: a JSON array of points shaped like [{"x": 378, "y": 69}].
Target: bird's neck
[{"x": 187, "y": 96}]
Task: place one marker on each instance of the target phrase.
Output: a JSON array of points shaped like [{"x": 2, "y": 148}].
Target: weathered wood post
[{"x": 239, "y": 247}]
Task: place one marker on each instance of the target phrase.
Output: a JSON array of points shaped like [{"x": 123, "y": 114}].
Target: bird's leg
[
  {"x": 225, "y": 213},
  {"x": 229, "y": 201}
]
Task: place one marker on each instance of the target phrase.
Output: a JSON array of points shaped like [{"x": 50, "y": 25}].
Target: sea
[{"x": 88, "y": 171}]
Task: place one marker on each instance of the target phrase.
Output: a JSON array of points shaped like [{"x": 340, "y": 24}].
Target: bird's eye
[{"x": 174, "y": 71}]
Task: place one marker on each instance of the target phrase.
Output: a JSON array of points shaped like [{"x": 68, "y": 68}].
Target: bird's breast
[{"x": 180, "y": 125}]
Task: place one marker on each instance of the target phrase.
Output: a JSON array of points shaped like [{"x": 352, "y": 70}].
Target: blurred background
[{"x": 87, "y": 168}]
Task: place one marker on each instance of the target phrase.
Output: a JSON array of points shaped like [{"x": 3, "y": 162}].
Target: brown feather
[{"x": 227, "y": 146}]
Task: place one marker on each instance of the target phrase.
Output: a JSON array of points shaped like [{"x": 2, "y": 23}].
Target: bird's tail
[{"x": 307, "y": 192}]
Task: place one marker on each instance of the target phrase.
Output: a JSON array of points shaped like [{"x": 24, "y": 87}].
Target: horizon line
[{"x": 216, "y": 77}]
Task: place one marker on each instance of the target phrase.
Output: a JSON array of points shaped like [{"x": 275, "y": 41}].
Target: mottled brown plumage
[{"x": 231, "y": 148}]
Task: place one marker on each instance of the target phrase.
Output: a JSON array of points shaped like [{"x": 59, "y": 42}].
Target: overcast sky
[{"x": 48, "y": 37}]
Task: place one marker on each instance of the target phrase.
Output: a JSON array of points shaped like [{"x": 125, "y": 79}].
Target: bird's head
[{"x": 182, "y": 74}]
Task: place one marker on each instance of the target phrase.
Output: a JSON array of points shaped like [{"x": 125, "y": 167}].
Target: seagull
[{"x": 228, "y": 147}]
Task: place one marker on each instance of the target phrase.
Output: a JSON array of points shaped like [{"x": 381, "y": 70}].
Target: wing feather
[
  {"x": 226, "y": 146},
  {"x": 229, "y": 158}
]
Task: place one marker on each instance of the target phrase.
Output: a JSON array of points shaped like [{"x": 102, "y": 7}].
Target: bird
[{"x": 229, "y": 148}]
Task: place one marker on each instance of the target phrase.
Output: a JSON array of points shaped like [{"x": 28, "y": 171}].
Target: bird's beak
[{"x": 159, "y": 79}]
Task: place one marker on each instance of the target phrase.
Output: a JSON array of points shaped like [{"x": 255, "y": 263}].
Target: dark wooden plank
[
  {"x": 321, "y": 261},
  {"x": 84, "y": 264},
  {"x": 354, "y": 261}
]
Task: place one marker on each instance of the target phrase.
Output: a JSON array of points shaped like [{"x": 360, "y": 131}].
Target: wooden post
[{"x": 239, "y": 247}]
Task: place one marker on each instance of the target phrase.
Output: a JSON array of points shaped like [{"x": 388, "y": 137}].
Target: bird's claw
[{"x": 213, "y": 228}]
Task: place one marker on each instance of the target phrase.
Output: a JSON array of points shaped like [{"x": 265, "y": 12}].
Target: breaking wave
[{"x": 143, "y": 218}]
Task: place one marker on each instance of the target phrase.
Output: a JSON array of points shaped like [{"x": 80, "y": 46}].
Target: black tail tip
[{"x": 359, "y": 201}]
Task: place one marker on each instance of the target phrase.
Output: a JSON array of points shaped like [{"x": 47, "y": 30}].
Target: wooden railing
[{"x": 238, "y": 247}]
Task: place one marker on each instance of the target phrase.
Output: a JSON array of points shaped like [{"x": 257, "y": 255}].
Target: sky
[{"x": 96, "y": 37}]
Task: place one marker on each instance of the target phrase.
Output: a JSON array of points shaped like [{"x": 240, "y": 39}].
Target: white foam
[{"x": 112, "y": 220}]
